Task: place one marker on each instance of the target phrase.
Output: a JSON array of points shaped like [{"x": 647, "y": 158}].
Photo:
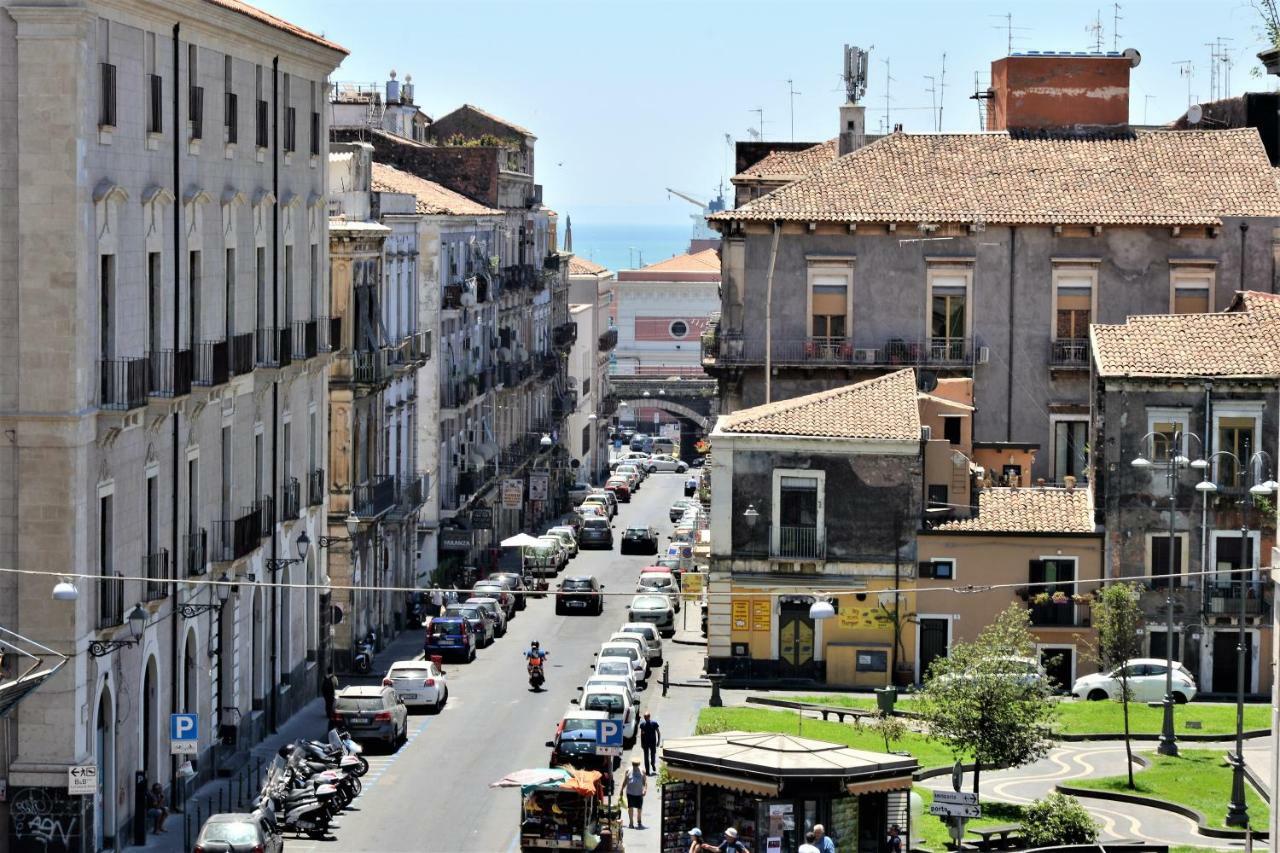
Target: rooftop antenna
[
  {"x": 933, "y": 100},
  {"x": 1146, "y": 102},
  {"x": 1009, "y": 29},
  {"x": 759, "y": 111},
  {"x": 942, "y": 91},
  {"x": 1096, "y": 29},
  {"x": 888, "y": 81},
  {"x": 1187, "y": 69},
  {"x": 855, "y": 72},
  {"x": 792, "y": 91},
  {"x": 1115, "y": 26}
]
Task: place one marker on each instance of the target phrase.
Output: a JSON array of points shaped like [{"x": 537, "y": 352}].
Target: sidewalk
[{"x": 237, "y": 793}]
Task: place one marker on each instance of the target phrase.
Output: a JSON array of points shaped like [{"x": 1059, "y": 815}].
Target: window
[
  {"x": 107, "y": 103},
  {"x": 1070, "y": 439},
  {"x": 230, "y": 296},
  {"x": 938, "y": 496},
  {"x": 1191, "y": 288},
  {"x": 938, "y": 569},
  {"x": 948, "y": 306},
  {"x": 288, "y": 287},
  {"x": 260, "y": 304},
  {"x": 193, "y": 495},
  {"x": 872, "y": 661},
  {"x": 1231, "y": 552},
  {"x": 1162, "y": 576},
  {"x": 797, "y": 513},
  {"x": 313, "y": 283},
  {"x": 1235, "y": 434},
  {"x": 153, "y": 302},
  {"x": 195, "y": 94},
  {"x": 230, "y": 104},
  {"x": 286, "y": 449},
  {"x": 828, "y": 307},
  {"x": 1158, "y": 639},
  {"x": 1056, "y": 578},
  {"x": 1073, "y": 288},
  {"x": 315, "y": 134},
  {"x": 261, "y": 124},
  {"x": 951, "y": 428},
  {"x": 290, "y": 129},
  {"x": 155, "y": 104},
  {"x": 106, "y": 306},
  {"x": 586, "y": 440},
  {"x": 193, "y": 299},
  {"x": 1163, "y": 425},
  {"x": 678, "y": 329},
  {"x": 226, "y": 453},
  {"x": 106, "y": 549}
]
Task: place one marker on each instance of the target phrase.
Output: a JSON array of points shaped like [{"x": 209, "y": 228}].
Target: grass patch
[
  {"x": 1074, "y": 717},
  {"x": 1197, "y": 778},
  {"x": 932, "y": 833},
  {"x": 928, "y": 752}
]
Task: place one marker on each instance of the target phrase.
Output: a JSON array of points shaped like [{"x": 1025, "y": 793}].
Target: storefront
[{"x": 774, "y": 788}]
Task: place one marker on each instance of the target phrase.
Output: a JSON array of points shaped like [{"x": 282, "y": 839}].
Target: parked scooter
[
  {"x": 283, "y": 808},
  {"x": 363, "y": 660}
]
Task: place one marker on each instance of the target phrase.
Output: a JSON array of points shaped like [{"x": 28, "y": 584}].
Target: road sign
[
  {"x": 954, "y": 810},
  {"x": 608, "y": 737},
  {"x": 184, "y": 734},
  {"x": 957, "y": 798},
  {"x": 82, "y": 780}
]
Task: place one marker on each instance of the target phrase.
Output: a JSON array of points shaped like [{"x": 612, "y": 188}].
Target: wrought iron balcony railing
[
  {"x": 242, "y": 354},
  {"x": 155, "y": 568},
  {"x": 274, "y": 348},
  {"x": 196, "y": 547},
  {"x": 315, "y": 487},
  {"x": 1070, "y": 353},
  {"x": 170, "y": 373},
  {"x": 122, "y": 383},
  {"x": 291, "y": 500},
  {"x": 213, "y": 363},
  {"x": 110, "y": 600},
  {"x": 374, "y": 497},
  {"x": 236, "y": 537},
  {"x": 306, "y": 339},
  {"x": 799, "y": 543},
  {"x": 727, "y": 348}
]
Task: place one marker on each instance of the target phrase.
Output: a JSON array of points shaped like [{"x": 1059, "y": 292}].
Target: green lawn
[
  {"x": 931, "y": 833},
  {"x": 1197, "y": 778},
  {"x": 1107, "y": 717}
]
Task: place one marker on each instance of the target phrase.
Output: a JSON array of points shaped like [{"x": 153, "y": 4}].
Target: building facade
[
  {"x": 167, "y": 391},
  {"x": 593, "y": 299}
]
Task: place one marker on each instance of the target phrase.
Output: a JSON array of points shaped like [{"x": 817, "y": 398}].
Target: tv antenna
[
  {"x": 1146, "y": 102},
  {"x": 792, "y": 91},
  {"x": 759, "y": 111},
  {"x": 1097, "y": 30},
  {"x": 1187, "y": 69},
  {"x": 888, "y": 80},
  {"x": 1115, "y": 26},
  {"x": 1009, "y": 30}
]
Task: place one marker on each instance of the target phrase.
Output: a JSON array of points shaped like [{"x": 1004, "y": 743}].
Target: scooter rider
[{"x": 535, "y": 654}]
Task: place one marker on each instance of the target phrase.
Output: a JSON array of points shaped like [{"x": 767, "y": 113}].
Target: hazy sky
[{"x": 627, "y": 98}]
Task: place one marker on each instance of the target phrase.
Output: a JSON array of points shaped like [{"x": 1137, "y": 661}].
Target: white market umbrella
[{"x": 520, "y": 540}]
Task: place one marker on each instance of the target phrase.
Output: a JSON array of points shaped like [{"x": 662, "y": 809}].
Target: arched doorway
[
  {"x": 104, "y": 750},
  {"x": 258, "y": 653},
  {"x": 150, "y": 763}
]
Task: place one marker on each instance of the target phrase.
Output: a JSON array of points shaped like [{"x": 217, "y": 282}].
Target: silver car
[
  {"x": 655, "y": 609},
  {"x": 492, "y": 605},
  {"x": 649, "y": 634}
]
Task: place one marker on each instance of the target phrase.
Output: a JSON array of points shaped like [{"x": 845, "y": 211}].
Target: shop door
[
  {"x": 1224, "y": 661},
  {"x": 795, "y": 642},
  {"x": 1057, "y": 663},
  {"x": 872, "y": 830},
  {"x": 933, "y": 643}
]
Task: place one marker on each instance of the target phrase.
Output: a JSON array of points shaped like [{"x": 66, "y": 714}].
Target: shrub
[{"x": 1058, "y": 819}]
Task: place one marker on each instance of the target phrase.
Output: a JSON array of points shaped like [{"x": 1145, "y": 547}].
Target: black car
[
  {"x": 595, "y": 533},
  {"x": 581, "y": 595},
  {"x": 513, "y": 582},
  {"x": 639, "y": 539}
]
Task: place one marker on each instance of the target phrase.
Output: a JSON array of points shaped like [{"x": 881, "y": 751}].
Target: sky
[{"x": 629, "y": 98}]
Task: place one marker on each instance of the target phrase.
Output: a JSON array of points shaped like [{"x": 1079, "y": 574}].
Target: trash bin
[{"x": 885, "y": 698}]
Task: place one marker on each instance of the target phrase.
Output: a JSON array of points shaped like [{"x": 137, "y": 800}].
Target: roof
[
  {"x": 278, "y": 23},
  {"x": 1150, "y": 178},
  {"x": 708, "y": 260},
  {"x": 789, "y": 165},
  {"x": 880, "y": 408},
  {"x": 778, "y": 755},
  {"x": 1243, "y": 341},
  {"x": 1034, "y": 510},
  {"x": 432, "y": 198},
  {"x": 502, "y": 121},
  {"x": 582, "y": 266}
]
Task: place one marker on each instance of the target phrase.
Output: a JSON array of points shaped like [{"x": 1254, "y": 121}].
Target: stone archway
[
  {"x": 104, "y": 750},
  {"x": 673, "y": 406}
]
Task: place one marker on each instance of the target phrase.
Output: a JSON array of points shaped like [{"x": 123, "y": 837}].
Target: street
[{"x": 433, "y": 794}]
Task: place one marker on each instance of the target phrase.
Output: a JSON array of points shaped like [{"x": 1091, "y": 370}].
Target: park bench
[
  {"x": 997, "y": 836},
  {"x": 825, "y": 710}
]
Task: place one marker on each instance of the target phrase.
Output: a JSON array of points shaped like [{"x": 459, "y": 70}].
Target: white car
[
  {"x": 626, "y": 682},
  {"x": 619, "y": 667},
  {"x": 1146, "y": 678},
  {"x": 631, "y": 469},
  {"x": 636, "y": 640},
  {"x": 663, "y": 583},
  {"x": 418, "y": 683},
  {"x": 578, "y": 491},
  {"x": 639, "y": 662},
  {"x": 629, "y": 456},
  {"x": 666, "y": 462},
  {"x": 616, "y": 702},
  {"x": 651, "y": 638},
  {"x": 655, "y": 609},
  {"x": 567, "y": 538}
]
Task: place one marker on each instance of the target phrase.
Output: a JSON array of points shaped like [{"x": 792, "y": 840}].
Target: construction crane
[{"x": 700, "y": 229}]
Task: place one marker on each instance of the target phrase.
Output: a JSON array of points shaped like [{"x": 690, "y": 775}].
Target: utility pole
[{"x": 792, "y": 90}]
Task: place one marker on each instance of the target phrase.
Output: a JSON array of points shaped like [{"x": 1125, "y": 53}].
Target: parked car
[
  {"x": 641, "y": 443},
  {"x": 418, "y": 683},
  {"x": 620, "y": 488},
  {"x": 514, "y": 583},
  {"x": 678, "y": 508},
  {"x": 639, "y": 539},
  {"x": 578, "y": 491},
  {"x": 656, "y": 609},
  {"x": 506, "y": 601},
  {"x": 666, "y": 462},
  {"x": 657, "y": 579},
  {"x": 630, "y": 456},
  {"x": 372, "y": 713},
  {"x": 1146, "y": 678},
  {"x": 614, "y": 701},
  {"x": 633, "y": 473},
  {"x": 568, "y": 538},
  {"x": 494, "y": 606},
  {"x": 542, "y": 560},
  {"x": 616, "y": 667},
  {"x": 574, "y": 742},
  {"x": 580, "y": 594},
  {"x": 671, "y": 564},
  {"x": 682, "y": 551},
  {"x": 641, "y": 647},
  {"x": 652, "y": 639},
  {"x": 596, "y": 533},
  {"x": 1027, "y": 671},
  {"x": 238, "y": 833},
  {"x": 484, "y": 624},
  {"x": 450, "y": 636},
  {"x": 628, "y": 651},
  {"x": 562, "y": 553},
  {"x": 666, "y": 447},
  {"x": 605, "y": 500},
  {"x": 625, "y": 680}
]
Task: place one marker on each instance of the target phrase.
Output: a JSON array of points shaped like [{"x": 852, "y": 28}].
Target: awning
[
  {"x": 900, "y": 784},
  {"x": 733, "y": 783}
]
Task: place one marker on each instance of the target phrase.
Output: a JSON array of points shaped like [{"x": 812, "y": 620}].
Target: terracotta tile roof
[
  {"x": 502, "y": 121},
  {"x": 582, "y": 266},
  {"x": 1152, "y": 178},
  {"x": 880, "y": 408},
  {"x": 1242, "y": 341},
  {"x": 790, "y": 165},
  {"x": 708, "y": 260},
  {"x": 279, "y": 23},
  {"x": 1038, "y": 510},
  {"x": 432, "y": 198}
]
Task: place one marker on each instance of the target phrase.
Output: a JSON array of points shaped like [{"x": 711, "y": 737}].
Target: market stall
[
  {"x": 563, "y": 808},
  {"x": 773, "y": 788}
]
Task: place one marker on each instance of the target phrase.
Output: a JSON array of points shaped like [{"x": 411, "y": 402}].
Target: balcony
[
  {"x": 328, "y": 333},
  {"x": 275, "y": 348},
  {"x": 242, "y": 354},
  {"x": 195, "y": 546},
  {"x": 266, "y": 510},
  {"x": 315, "y": 487},
  {"x": 1070, "y": 354},
  {"x": 411, "y": 493},
  {"x": 720, "y": 349},
  {"x": 548, "y": 365},
  {"x": 564, "y": 335},
  {"x": 236, "y": 537},
  {"x": 169, "y": 373},
  {"x": 122, "y": 383},
  {"x": 608, "y": 340},
  {"x": 374, "y": 497},
  {"x": 371, "y": 367},
  {"x": 306, "y": 339},
  {"x": 110, "y": 601},
  {"x": 421, "y": 347},
  {"x": 213, "y": 364},
  {"x": 451, "y": 298},
  {"x": 799, "y": 543},
  {"x": 1058, "y": 614},
  {"x": 155, "y": 568},
  {"x": 291, "y": 500},
  {"x": 1222, "y": 598},
  {"x": 535, "y": 195}
]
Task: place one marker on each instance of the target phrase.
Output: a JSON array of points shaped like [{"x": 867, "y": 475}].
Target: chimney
[
  {"x": 853, "y": 127},
  {"x": 1061, "y": 92},
  {"x": 393, "y": 89}
]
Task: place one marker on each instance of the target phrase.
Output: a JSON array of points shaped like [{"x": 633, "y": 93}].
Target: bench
[
  {"x": 825, "y": 710},
  {"x": 997, "y": 836}
]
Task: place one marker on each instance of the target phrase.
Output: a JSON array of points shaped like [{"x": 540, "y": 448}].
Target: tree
[
  {"x": 1117, "y": 617},
  {"x": 989, "y": 698},
  {"x": 1058, "y": 819},
  {"x": 889, "y": 727}
]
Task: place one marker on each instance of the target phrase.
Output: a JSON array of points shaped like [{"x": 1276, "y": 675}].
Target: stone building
[
  {"x": 162, "y": 254},
  {"x": 1212, "y": 378},
  {"x": 988, "y": 255},
  {"x": 593, "y": 294}
]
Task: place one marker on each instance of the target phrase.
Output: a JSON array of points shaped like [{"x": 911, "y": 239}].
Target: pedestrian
[
  {"x": 821, "y": 840},
  {"x": 731, "y": 844},
  {"x": 650, "y": 737},
  {"x": 893, "y": 844},
  {"x": 157, "y": 810},
  {"x": 635, "y": 785},
  {"x": 437, "y": 600},
  {"x": 696, "y": 844},
  {"x": 808, "y": 847},
  {"x": 329, "y": 690}
]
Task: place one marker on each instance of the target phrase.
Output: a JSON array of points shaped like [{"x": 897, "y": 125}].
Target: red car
[{"x": 620, "y": 488}]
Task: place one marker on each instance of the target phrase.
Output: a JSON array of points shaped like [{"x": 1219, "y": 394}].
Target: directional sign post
[
  {"x": 958, "y": 798},
  {"x": 955, "y": 810},
  {"x": 608, "y": 737},
  {"x": 82, "y": 780},
  {"x": 184, "y": 734}
]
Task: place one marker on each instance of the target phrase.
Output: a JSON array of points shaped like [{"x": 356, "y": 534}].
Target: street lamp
[
  {"x": 751, "y": 514},
  {"x": 223, "y": 591},
  {"x": 275, "y": 564},
  {"x": 1177, "y": 461},
  {"x": 137, "y": 621},
  {"x": 65, "y": 590},
  {"x": 353, "y": 528}
]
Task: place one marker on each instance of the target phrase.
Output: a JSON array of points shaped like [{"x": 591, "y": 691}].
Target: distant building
[{"x": 593, "y": 298}]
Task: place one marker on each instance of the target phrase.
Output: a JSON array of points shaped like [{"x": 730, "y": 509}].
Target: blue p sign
[
  {"x": 608, "y": 733},
  {"x": 184, "y": 727}
]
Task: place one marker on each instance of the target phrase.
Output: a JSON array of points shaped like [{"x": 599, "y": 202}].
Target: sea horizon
[{"x": 620, "y": 246}]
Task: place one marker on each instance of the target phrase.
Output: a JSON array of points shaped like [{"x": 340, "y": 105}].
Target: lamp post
[
  {"x": 1260, "y": 485},
  {"x": 1177, "y": 462},
  {"x": 275, "y": 564},
  {"x": 137, "y": 622}
]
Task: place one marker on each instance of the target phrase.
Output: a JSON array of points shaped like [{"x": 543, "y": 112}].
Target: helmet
[{"x": 534, "y": 644}]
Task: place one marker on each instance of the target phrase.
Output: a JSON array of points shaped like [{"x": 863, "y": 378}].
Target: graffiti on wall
[{"x": 46, "y": 820}]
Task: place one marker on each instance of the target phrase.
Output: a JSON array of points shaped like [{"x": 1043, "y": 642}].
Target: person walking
[
  {"x": 329, "y": 690},
  {"x": 807, "y": 847},
  {"x": 635, "y": 785},
  {"x": 437, "y": 601},
  {"x": 650, "y": 737},
  {"x": 731, "y": 844},
  {"x": 697, "y": 845},
  {"x": 823, "y": 841},
  {"x": 893, "y": 844}
]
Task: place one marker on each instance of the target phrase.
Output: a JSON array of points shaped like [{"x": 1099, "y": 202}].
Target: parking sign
[
  {"x": 184, "y": 734},
  {"x": 608, "y": 737}
]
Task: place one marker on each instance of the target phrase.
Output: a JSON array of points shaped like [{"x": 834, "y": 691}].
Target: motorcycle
[
  {"x": 536, "y": 676},
  {"x": 301, "y": 811},
  {"x": 363, "y": 660}
]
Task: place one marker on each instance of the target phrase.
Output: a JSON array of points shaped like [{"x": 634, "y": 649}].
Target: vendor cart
[{"x": 564, "y": 808}]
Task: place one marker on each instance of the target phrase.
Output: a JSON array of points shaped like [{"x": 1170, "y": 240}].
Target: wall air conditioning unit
[
  {"x": 984, "y": 355},
  {"x": 926, "y": 433},
  {"x": 865, "y": 356}
]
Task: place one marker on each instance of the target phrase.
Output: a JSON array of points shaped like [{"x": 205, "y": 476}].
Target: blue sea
[{"x": 623, "y": 247}]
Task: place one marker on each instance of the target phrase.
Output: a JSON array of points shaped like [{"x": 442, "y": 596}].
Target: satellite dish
[
  {"x": 926, "y": 381},
  {"x": 1133, "y": 56},
  {"x": 1195, "y": 112}
]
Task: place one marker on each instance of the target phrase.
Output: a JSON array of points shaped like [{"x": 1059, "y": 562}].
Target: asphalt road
[{"x": 433, "y": 794}]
